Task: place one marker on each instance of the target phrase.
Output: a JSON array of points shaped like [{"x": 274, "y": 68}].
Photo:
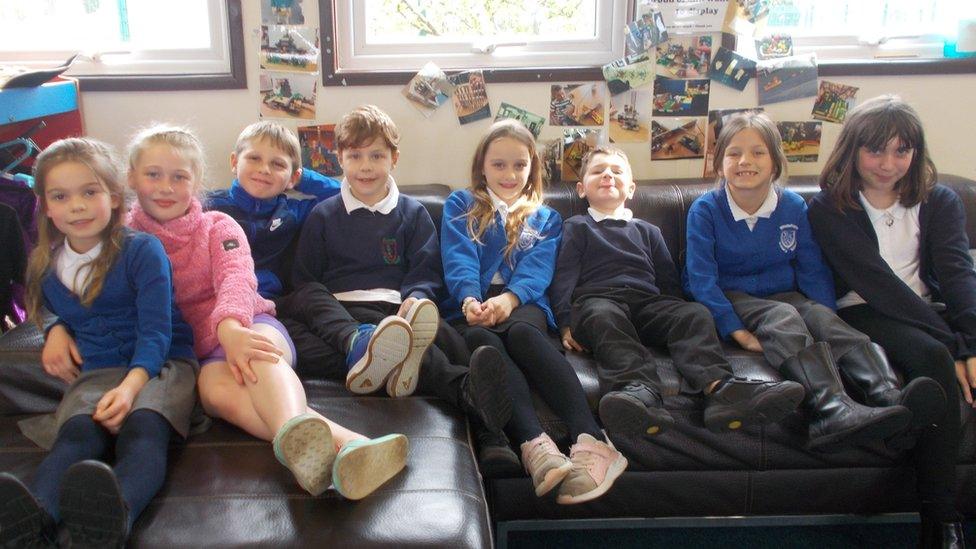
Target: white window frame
[{"x": 354, "y": 55}]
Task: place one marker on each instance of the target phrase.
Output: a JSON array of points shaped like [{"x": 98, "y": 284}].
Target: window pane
[
  {"x": 863, "y": 17},
  {"x": 497, "y": 20}
]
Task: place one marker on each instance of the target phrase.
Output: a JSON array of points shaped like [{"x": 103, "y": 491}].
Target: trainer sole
[
  {"x": 628, "y": 416},
  {"x": 360, "y": 471},
  {"x": 424, "y": 319},
  {"x": 388, "y": 347},
  {"x": 308, "y": 452},
  {"x": 767, "y": 407}
]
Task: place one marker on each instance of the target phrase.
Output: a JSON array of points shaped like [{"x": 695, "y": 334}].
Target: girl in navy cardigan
[
  {"x": 498, "y": 245},
  {"x": 897, "y": 243},
  {"x": 121, "y": 344},
  {"x": 752, "y": 260}
]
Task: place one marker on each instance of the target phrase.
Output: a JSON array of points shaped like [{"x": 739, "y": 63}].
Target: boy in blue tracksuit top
[
  {"x": 616, "y": 289},
  {"x": 367, "y": 269}
]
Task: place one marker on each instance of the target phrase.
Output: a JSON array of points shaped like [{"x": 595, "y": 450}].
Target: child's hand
[
  {"x": 405, "y": 306},
  {"x": 115, "y": 405},
  {"x": 242, "y": 345},
  {"x": 476, "y": 314},
  {"x": 966, "y": 374},
  {"x": 501, "y": 307},
  {"x": 569, "y": 343},
  {"x": 60, "y": 356},
  {"x": 747, "y": 341}
]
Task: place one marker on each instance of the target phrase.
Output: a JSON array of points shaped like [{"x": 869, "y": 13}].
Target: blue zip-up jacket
[
  {"x": 469, "y": 267},
  {"x": 778, "y": 255},
  {"x": 272, "y": 225}
]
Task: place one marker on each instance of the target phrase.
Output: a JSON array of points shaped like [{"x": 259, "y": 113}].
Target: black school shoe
[
  {"x": 484, "y": 392},
  {"x": 92, "y": 507},
  {"x": 23, "y": 522},
  {"x": 635, "y": 411},
  {"x": 496, "y": 459},
  {"x": 737, "y": 402}
]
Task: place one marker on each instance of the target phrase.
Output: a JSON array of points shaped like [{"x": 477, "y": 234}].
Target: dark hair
[
  {"x": 768, "y": 132},
  {"x": 608, "y": 150},
  {"x": 872, "y": 124}
]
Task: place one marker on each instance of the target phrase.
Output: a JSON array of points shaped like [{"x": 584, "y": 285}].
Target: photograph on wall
[
  {"x": 647, "y": 31},
  {"x": 551, "y": 154},
  {"x": 731, "y": 69},
  {"x": 531, "y": 121},
  {"x": 282, "y": 12},
  {"x": 774, "y": 46},
  {"x": 630, "y": 117},
  {"x": 693, "y": 16},
  {"x": 633, "y": 71},
  {"x": 716, "y": 119},
  {"x": 680, "y": 97},
  {"x": 747, "y": 17},
  {"x": 787, "y": 78},
  {"x": 685, "y": 56},
  {"x": 833, "y": 101},
  {"x": 428, "y": 89},
  {"x": 577, "y": 104},
  {"x": 801, "y": 140},
  {"x": 285, "y": 95},
  {"x": 319, "y": 149},
  {"x": 677, "y": 138},
  {"x": 577, "y": 143},
  {"x": 470, "y": 96},
  {"x": 293, "y": 49}
]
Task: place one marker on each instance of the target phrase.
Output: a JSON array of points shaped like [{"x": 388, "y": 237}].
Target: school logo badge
[
  {"x": 391, "y": 255},
  {"x": 528, "y": 238},
  {"x": 787, "y": 238}
]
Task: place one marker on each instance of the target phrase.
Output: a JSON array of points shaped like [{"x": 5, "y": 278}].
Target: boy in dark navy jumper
[
  {"x": 371, "y": 255},
  {"x": 616, "y": 290}
]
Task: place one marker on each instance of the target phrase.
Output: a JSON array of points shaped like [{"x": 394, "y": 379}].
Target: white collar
[
  {"x": 71, "y": 257},
  {"x": 620, "y": 214},
  {"x": 384, "y": 206},
  {"x": 765, "y": 210},
  {"x": 896, "y": 210},
  {"x": 500, "y": 206}
]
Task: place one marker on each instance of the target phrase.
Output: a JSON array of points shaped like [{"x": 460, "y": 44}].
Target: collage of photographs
[{"x": 289, "y": 61}]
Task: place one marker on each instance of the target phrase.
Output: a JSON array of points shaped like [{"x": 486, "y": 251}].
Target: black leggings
[
  {"x": 530, "y": 354},
  {"x": 915, "y": 353}
]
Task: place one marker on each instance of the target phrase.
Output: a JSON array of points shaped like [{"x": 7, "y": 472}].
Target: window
[
  {"x": 129, "y": 44},
  {"x": 393, "y": 35}
]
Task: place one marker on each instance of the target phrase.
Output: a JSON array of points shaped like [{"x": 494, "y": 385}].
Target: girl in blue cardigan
[
  {"x": 897, "y": 242},
  {"x": 751, "y": 259},
  {"x": 121, "y": 344},
  {"x": 498, "y": 245}
]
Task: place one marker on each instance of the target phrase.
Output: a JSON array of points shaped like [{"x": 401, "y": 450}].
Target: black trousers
[
  {"x": 617, "y": 324},
  {"x": 322, "y": 327},
  {"x": 915, "y": 353}
]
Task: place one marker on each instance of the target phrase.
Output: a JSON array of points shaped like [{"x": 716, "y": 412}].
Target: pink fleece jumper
[{"x": 213, "y": 272}]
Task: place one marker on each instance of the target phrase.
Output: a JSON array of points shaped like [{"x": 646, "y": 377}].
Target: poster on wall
[
  {"x": 680, "y": 97},
  {"x": 633, "y": 71},
  {"x": 470, "y": 96},
  {"x": 833, "y": 101},
  {"x": 428, "y": 89},
  {"x": 646, "y": 32},
  {"x": 685, "y": 56},
  {"x": 787, "y": 78},
  {"x": 319, "y": 149},
  {"x": 774, "y": 46},
  {"x": 630, "y": 117},
  {"x": 287, "y": 95},
  {"x": 801, "y": 140},
  {"x": 292, "y": 49},
  {"x": 577, "y": 104},
  {"x": 282, "y": 12},
  {"x": 731, "y": 69},
  {"x": 677, "y": 138},
  {"x": 531, "y": 121},
  {"x": 690, "y": 16}
]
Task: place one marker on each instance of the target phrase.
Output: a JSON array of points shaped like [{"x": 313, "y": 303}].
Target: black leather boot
[
  {"x": 940, "y": 535},
  {"x": 635, "y": 410},
  {"x": 867, "y": 368},
  {"x": 836, "y": 420}
]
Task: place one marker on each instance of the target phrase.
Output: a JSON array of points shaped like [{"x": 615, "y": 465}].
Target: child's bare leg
[
  {"x": 222, "y": 397},
  {"x": 340, "y": 435},
  {"x": 278, "y": 395}
]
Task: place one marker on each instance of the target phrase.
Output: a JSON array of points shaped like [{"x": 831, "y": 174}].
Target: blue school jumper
[
  {"x": 133, "y": 322},
  {"x": 469, "y": 267},
  {"x": 778, "y": 255},
  {"x": 364, "y": 250},
  {"x": 272, "y": 225}
]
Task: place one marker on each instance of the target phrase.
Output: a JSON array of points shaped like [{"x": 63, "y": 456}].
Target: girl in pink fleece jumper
[{"x": 245, "y": 354}]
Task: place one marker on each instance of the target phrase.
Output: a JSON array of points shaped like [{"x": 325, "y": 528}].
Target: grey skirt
[{"x": 172, "y": 394}]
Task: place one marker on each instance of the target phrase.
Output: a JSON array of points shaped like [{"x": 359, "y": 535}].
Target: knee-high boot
[{"x": 836, "y": 420}]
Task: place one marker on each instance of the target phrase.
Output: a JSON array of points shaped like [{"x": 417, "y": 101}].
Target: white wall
[{"x": 438, "y": 149}]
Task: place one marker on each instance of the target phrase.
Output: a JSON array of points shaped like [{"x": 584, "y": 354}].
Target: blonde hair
[
  {"x": 101, "y": 160},
  {"x": 481, "y": 216},
  {"x": 277, "y": 135},
  {"x": 179, "y": 138},
  {"x": 363, "y": 125},
  {"x": 768, "y": 132}
]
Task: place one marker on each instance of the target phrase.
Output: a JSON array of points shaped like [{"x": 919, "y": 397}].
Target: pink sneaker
[
  {"x": 544, "y": 463},
  {"x": 596, "y": 465}
]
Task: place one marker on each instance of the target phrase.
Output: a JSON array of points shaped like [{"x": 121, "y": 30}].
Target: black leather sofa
[{"x": 225, "y": 488}]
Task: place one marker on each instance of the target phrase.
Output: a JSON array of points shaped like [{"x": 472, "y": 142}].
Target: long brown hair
[
  {"x": 871, "y": 125},
  {"x": 481, "y": 216},
  {"x": 101, "y": 160}
]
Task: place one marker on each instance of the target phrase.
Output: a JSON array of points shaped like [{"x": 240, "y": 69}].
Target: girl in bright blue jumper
[
  {"x": 132, "y": 371},
  {"x": 498, "y": 245},
  {"x": 752, "y": 261}
]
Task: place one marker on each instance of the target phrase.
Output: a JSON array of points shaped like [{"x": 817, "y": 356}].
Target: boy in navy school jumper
[
  {"x": 371, "y": 255},
  {"x": 616, "y": 288},
  {"x": 752, "y": 260}
]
